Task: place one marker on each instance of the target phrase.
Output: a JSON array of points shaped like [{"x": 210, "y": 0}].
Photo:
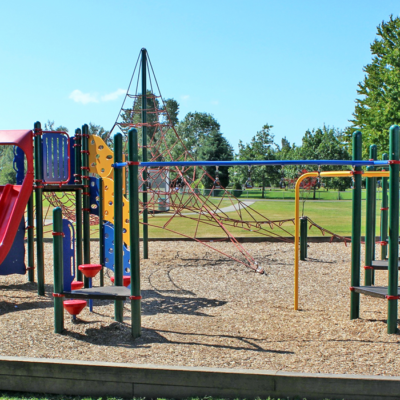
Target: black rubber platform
[
  {"x": 374, "y": 291},
  {"x": 382, "y": 264},
  {"x": 101, "y": 293}
]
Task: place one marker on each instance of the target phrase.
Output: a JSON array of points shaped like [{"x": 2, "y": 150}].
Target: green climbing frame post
[
  {"x": 356, "y": 228},
  {"x": 144, "y": 155},
  {"x": 39, "y": 207},
  {"x": 393, "y": 272},
  {"x": 303, "y": 238},
  {"x": 31, "y": 247},
  {"x": 101, "y": 232},
  {"x": 78, "y": 201},
  {"x": 86, "y": 199},
  {"x": 369, "y": 231},
  {"x": 373, "y": 155},
  {"x": 118, "y": 226},
  {"x": 384, "y": 213},
  {"x": 58, "y": 271},
  {"x": 134, "y": 233}
]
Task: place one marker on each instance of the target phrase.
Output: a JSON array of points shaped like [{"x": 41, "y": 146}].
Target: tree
[
  {"x": 261, "y": 147},
  {"x": 49, "y": 126},
  {"x": 153, "y": 131},
  {"x": 325, "y": 144},
  {"x": 215, "y": 147},
  {"x": 379, "y": 107},
  {"x": 193, "y": 129},
  {"x": 172, "y": 107},
  {"x": 7, "y": 172},
  {"x": 98, "y": 130}
]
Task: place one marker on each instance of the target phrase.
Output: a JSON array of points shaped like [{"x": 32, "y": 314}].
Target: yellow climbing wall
[{"x": 101, "y": 159}]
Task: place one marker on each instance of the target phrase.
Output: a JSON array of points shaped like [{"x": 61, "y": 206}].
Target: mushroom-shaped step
[
  {"x": 76, "y": 285},
  {"x": 90, "y": 270},
  {"x": 74, "y": 307},
  {"x": 126, "y": 280}
]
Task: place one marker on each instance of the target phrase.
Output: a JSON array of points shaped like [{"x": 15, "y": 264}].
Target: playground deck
[{"x": 200, "y": 309}]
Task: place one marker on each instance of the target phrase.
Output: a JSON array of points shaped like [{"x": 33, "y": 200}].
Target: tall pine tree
[{"x": 379, "y": 105}]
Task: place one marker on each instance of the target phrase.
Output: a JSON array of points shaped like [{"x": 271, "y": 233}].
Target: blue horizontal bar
[
  {"x": 357, "y": 163},
  {"x": 119, "y": 165}
]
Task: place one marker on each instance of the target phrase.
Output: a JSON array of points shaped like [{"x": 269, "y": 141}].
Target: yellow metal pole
[
  {"x": 327, "y": 174},
  {"x": 296, "y": 236}
]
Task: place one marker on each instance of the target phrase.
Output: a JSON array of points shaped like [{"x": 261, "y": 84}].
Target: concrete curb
[{"x": 88, "y": 378}]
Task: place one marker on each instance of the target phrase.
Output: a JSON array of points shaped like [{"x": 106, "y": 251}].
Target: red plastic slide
[{"x": 13, "y": 198}]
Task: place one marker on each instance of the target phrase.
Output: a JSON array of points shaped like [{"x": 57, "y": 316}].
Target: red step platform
[
  {"x": 74, "y": 307},
  {"x": 126, "y": 279},
  {"x": 90, "y": 270},
  {"x": 76, "y": 285}
]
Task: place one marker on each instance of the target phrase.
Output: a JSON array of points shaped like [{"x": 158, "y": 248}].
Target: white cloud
[
  {"x": 79, "y": 97},
  {"x": 84, "y": 98},
  {"x": 185, "y": 97},
  {"x": 114, "y": 95}
]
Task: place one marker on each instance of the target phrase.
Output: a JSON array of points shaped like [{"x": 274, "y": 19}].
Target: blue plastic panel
[
  {"x": 72, "y": 160},
  {"x": 109, "y": 251},
  {"x": 55, "y": 158},
  {"x": 18, "y": 164},
  {"x": 14, "y": 263},
  {"x": 94, "y": 195},
  {"x": 68, "y": 254}
]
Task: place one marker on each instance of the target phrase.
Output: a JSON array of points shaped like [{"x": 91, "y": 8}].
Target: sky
[{"x": 292, "y": 64}]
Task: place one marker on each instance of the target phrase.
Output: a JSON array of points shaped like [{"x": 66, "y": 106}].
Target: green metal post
[
  {"x": 118, "y": 226},
  {"x": 144, "y": 155},
  {"x": 58, "y": 271},
  {"x": 86, "y": 199},
  {"x": 101, "y": 233},
  {"x": 78, "y": 198},
  {"x": 39, "y": 207},
  {"x": 134, "y": 234},
  {"x": 31, "y": 247},
  {"x": 303, "y": 238},
  {"x": 384, "y": 212},
  {"x": 394, "y": 155},
  {"x": 356, "y": 228},
  {"x": 373, "y": 155},
  {"x": 369, "y": 232}
]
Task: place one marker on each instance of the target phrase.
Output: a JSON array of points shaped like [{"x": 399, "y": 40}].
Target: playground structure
[
  {"x": 119, "y": 226},
  {"x": 96, "y": 176}
]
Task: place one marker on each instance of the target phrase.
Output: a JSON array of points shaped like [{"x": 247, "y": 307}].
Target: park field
[{"x": 334, "y": 216}]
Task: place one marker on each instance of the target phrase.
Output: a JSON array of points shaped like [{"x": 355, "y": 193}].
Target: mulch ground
[{"x": 201, "y": 309}]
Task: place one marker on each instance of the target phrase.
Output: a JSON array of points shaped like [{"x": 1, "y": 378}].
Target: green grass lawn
[
  {"x": 281, "y": 194},
  {"x": 332, "y": 215}
]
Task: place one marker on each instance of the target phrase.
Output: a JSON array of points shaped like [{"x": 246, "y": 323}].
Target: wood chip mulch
[{"x": 200, "y": 309}]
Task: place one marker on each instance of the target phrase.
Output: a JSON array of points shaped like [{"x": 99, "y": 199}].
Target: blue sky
[{"x": 293, "y": 64}]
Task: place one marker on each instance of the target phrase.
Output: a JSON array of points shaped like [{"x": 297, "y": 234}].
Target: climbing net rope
[{"x": 176, "y": 200}]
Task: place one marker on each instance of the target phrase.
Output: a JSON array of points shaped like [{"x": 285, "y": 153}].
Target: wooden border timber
[{"x": 88, "y": 378}]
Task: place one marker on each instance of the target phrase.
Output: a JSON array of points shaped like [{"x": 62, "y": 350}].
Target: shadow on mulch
[
  {"x": 119, "y": 335},
  {"x": 169, "y": 302},
  {"x": 16, "y": 301}
]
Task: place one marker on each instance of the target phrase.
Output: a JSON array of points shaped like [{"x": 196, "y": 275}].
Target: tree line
[{"x": 376, "y": 109}]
